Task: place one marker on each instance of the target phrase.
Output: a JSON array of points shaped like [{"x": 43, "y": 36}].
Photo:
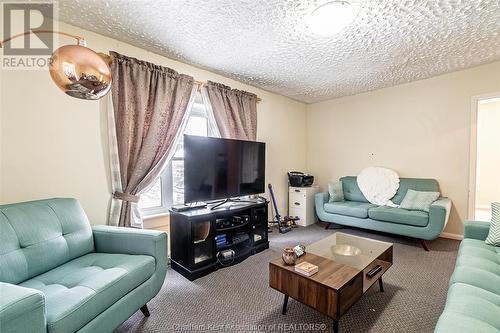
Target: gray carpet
[{"x": 239, "y": 299}]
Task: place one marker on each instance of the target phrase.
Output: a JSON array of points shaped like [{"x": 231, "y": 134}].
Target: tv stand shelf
[
  {"x": 194, "y": 249},
  {"x": 222, "y": 230},
  {"x": 232, "y": 244}
]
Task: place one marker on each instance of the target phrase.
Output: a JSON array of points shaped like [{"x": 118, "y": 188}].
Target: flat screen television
[{"x": 216, "y": 168}]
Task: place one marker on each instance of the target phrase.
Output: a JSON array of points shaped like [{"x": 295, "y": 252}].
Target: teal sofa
[
  {"x": 473, "y": 303},
  {"x": 356, "y": 211},
  {"x": 60, "y": 274}
]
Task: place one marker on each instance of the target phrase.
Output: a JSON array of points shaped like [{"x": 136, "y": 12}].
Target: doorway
[{"x": 485, "y": 157}]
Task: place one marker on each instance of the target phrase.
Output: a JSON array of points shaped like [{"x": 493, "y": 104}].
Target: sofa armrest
[
  {"x": 476, "y": 229},
  {"x": 439, "y": 213},
  {"x": 441, "y": 207},
  {"x": 109, "y": 239},
  {"x": 21, "y": 309},
  {"x": 321, "y": 198}
]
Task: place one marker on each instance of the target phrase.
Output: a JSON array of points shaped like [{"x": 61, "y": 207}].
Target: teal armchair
[{"x": 59, "y": 274}]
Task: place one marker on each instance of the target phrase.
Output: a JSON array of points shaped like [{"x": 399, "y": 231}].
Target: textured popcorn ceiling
[{"x": 267, "y": 44}]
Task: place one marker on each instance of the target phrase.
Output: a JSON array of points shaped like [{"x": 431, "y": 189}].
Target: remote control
[{"x": 374, "y": 271}]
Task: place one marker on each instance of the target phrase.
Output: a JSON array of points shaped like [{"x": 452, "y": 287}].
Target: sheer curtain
[
  {"x": 149, "y": 104},
  {"x": 212, "y": 123}
]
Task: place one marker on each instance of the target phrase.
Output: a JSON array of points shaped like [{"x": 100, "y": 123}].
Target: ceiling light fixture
[
  {"x": 331, "y": 17},
  {"x": 75, "y": 69}
]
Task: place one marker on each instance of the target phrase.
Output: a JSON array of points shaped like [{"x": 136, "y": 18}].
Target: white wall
[
  {"x": 419, "y": 129},
  {"x": 53, "y": 145}
]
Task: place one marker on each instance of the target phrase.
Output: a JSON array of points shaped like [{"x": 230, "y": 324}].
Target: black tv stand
[{"x": 196, "y": 249}]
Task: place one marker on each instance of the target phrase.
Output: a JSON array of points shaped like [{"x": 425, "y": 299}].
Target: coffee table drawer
[{"x": 350, "y": 293}]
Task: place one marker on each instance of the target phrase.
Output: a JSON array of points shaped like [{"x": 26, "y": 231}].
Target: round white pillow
[{"x": 378, "y": 185}]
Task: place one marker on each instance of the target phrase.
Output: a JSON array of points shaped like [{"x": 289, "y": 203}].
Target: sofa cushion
[
  {"x": 476, "y": 253},
  {"x": 79, "y": 290},
  {"x": 478, "y": 264},
  {"x": 399, "y": 215},
  {"x": 351, "y": 189},
  {"x": 470, "y": 309},
  {"x": 416, "y": 184},
  {"x": 455, "y": 322},
  {"x": 349, "y": 208},
  {"x": 39, "y": 235}
]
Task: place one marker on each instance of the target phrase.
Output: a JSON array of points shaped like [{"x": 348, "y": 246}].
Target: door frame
[{"x": 471, "y": 206}]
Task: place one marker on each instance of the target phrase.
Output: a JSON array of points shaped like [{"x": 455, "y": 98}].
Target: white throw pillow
[{"x": 378, "y": 185}]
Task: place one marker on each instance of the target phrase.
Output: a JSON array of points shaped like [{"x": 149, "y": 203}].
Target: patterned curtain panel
[
  {"x": 149, "y": 104},
  {"x": 235, "y": 111}
]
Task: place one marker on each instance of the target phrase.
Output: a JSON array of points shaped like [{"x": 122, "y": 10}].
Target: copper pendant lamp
[{"x": 76, "y": 69}]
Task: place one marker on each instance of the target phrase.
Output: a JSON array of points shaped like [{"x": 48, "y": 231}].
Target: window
[{"x": 168, "y": 189}]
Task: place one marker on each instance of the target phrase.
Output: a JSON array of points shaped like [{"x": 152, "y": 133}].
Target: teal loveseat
[
  {"x": 356, "y": 211},
  {"x": 473, "y": 303},
  {"x": 60, "y": 274}
]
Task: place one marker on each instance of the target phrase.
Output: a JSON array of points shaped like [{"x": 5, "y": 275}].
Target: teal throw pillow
[
  {"x": 494, "y": 234},
  {"x": 336, "y": 191},
  {"x": 419, "y": 200}
]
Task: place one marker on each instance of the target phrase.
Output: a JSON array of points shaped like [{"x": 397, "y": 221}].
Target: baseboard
[{"x": 449, "y": 235}]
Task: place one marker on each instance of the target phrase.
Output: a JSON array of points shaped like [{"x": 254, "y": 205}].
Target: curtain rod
[
  {"x": 109, "y": 60},
  {"x": 202, "y": 83}
]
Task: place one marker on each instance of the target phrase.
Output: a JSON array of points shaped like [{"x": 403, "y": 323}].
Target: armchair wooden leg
[
  {"x": 424, "y": 245},
  {"x": 145, "y": 310},
  {"x": 327, "y": 226}
]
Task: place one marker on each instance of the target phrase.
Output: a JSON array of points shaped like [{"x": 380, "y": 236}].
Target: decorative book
[{"x": 306, "y": 268}]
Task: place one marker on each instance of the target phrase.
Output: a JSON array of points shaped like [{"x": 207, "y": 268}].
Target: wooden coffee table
[{"x": 344, "y": 261}]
